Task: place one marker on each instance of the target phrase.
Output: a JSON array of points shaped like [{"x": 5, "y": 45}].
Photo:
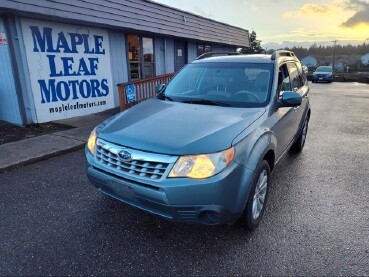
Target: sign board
[
  {"x": 131, "y": 93},
  {"x": 3, "y": 40},
  {"x": 69, "y": 69}
]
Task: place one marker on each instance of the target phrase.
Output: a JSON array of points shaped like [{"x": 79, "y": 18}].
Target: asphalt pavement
[{"x": 53, "y": 222}]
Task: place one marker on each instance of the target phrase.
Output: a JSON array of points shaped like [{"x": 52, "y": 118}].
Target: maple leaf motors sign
[{"x": 69, "y": 69}]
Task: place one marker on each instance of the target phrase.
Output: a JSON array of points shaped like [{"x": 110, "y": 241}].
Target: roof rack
[
  {"x": 282, "y": 53},
  {"x": 212, "y": 54}
]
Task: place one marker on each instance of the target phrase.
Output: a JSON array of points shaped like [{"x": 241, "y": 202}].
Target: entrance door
[{"x": 180, "y": 53}]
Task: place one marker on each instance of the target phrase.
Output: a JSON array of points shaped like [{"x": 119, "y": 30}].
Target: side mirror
[
  {"x": 291, "y": 99},
  {"x": 305, "y": 69},
  {"x": 159, "y": 88}
]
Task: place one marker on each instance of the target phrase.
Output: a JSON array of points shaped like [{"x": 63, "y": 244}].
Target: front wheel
[{"x": 258, "y": 196}]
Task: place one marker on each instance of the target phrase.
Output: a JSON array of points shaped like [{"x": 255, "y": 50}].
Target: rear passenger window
[
  {"x": 302, "y": 74},
  {"x": 295, "y": 76}
]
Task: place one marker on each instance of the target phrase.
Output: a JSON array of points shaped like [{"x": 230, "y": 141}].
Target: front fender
[{"x": 252, "y": 149}]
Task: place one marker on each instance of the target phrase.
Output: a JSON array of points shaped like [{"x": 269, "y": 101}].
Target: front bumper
[
  {"x": 322, "y": 78},
  {"x": 220, "y": 199}
]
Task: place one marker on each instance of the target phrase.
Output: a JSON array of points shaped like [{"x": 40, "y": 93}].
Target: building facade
[{"x": 61, "y": 59}]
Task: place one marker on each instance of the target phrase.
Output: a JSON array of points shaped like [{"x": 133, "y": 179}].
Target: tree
[{"x": 255, "y": 47}]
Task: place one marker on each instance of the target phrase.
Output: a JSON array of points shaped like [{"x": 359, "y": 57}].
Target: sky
[{"x": 288, "y": 22}]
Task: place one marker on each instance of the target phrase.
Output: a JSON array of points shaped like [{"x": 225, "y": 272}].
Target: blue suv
[
  {"x": 203, "y": 150},
  {"x": 322, "y": 74}
]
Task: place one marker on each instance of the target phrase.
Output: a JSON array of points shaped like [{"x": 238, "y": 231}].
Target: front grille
[{"x": 142, "y": 165}]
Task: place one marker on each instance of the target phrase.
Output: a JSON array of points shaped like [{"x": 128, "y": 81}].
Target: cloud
[
  {"x": 361, "y": 15},
  {"x": 313, "y": 8},
  {"x": 253, "y": 7}
]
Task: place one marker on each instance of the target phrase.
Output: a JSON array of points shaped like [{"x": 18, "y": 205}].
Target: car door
[
  {"x": 298, "y": 85},
  {"x": 304, "y": 92},
  {"x": 285, "y": 126}
]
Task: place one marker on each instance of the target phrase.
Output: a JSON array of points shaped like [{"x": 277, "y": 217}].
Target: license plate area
[{"x": 123, "y": 189}]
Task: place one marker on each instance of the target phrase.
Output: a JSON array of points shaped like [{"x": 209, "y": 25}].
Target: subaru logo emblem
[{"x": 125, "y": 156}]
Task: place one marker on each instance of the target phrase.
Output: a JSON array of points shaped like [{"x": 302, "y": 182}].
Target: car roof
[
  {"x": 257, "y": 58},
  {"x": 245, "y": 58}
]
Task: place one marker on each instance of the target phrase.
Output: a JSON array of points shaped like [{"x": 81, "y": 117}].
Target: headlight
[
  {"x": 92, "y": 141},
  {"x": 202, "y": 166},
  {"x": 93, "y": 136}
]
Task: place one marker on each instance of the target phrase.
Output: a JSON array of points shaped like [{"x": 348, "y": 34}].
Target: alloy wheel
[{"x": 260, "y": 194}]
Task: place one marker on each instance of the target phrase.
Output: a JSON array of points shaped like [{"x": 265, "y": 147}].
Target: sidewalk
[{"x": 34, "y": 149}]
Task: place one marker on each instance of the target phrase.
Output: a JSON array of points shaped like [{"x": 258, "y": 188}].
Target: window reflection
[{"x": 141, "y": 57}]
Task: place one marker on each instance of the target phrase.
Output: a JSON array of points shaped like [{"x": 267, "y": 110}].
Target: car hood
[{"x": 177, "y": 128}]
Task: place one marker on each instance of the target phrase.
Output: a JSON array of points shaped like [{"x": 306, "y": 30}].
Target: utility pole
[{"x": 334, "y": 53}]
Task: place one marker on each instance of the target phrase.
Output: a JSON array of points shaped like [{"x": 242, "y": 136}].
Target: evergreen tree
[{"x": 255, "y": 47}]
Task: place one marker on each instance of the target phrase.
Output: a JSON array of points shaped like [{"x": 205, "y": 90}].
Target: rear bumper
[{"x": 217, "y": 200}]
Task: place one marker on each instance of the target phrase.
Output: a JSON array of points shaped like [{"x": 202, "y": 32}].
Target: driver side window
[{"x": 284, "y": 82}]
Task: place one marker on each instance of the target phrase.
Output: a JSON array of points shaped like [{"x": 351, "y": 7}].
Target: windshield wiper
[
  {"x": 168, "y": 98},
  {"x": 206, "y": 102},
  {"x": 163, "y": 96}
]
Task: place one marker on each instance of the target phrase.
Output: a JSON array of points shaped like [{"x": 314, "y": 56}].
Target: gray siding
[
  {"x": 159, "y": 56},
  {"x": 118, "y": 61},
  {"x": 192, "y": 51},
  {"x": 169, "y": 55},
  {"x": 9, "y": 108},
  {"x": 138, "y": 15},
  {"x": 223, "y": 48}
]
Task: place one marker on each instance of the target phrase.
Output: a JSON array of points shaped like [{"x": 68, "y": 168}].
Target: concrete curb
[
  {"x": 47, "y": 156},
  {"x": 31, "y": 150}
]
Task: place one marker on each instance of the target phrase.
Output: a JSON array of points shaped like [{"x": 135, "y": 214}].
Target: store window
[
  {"x": 203, "y": 48},
  {"x": 141, "y": 57}
]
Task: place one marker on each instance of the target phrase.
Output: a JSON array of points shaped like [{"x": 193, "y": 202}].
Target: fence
[{"x": 144, "y": 89}]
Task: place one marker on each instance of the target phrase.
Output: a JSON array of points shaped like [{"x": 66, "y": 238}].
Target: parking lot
[{"x": 53, "y": 222}]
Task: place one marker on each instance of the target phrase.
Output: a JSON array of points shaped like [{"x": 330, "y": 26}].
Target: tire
[
  {"x": 300, "y": 142},
  {"x": 253, "y": 213}
]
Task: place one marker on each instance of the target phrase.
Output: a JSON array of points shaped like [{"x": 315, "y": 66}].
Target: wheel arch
[
  {"x": 270, "y": 158},
  {"x": 260, "y": 148}
]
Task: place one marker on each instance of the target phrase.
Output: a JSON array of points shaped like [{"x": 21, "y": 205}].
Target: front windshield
[
  {"x": 324, "y": 69},
  {"x": 230, "y": 84}
]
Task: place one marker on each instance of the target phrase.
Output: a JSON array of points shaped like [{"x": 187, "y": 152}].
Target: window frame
[
  {"x": 300, "y": 83},
  {"x": 204, "y": 46},
  {"x": 141, "y": 61},
  {"x": 285, "y": 70}
]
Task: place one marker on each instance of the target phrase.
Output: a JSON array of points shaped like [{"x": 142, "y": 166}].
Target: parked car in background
[
  {"x": 203, "y": 150},
  {"x": 323, "y": 74}
]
